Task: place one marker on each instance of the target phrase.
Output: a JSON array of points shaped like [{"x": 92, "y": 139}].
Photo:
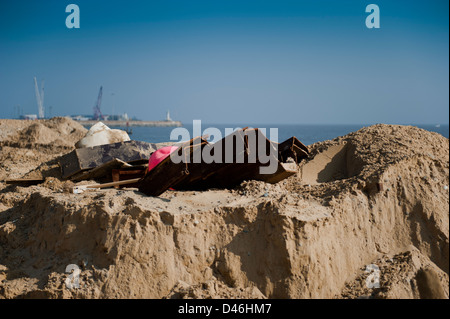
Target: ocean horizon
[{"x": 307, "y": 133}]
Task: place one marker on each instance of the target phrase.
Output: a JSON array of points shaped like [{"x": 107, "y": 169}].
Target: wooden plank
[
  {"x": 127, "y": 173},
  {"x": 23, "y": 181},
  {"x": 80, "y": 188}
]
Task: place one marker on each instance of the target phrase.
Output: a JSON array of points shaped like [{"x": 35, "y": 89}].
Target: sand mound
[
  {"x": 370, "y": 150},
  {"x": 378, "y": 196},
  {"x": 29, "y": 148},
  {"x": 56, "y": 131}
]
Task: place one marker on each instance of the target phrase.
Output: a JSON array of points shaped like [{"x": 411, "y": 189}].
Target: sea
[{"x": 307, "y": 134}]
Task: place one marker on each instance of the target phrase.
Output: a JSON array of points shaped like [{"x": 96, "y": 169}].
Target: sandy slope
[{"x": 377, "y": 196}]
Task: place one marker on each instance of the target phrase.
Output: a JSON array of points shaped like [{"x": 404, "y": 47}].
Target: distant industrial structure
[
  {"x": 39, "y": 98},
  {"x": 97, "y": 112},
  {"x": 112, "y": 120},
  {"x": 40, "y": 103}
]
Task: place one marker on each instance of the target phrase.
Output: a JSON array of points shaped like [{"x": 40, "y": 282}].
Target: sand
[{"x": 378, "y": 196}]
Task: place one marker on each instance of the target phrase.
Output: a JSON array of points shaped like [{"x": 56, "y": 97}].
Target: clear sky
[{"x": 230, "y": 61}]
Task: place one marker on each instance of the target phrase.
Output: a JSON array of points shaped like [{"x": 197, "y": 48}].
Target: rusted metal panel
[
  {"x": 293, "y": 148},
  {"x": 223, "y": 174},
  {"x": 168, "y": 173}
]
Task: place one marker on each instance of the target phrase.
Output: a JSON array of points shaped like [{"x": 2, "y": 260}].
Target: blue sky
[{"x": 227, "y": 61}]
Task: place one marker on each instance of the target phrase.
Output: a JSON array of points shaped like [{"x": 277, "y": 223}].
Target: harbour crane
[
  {"x": 97, "y": 112},
  {"x": 39, "y": 98}
]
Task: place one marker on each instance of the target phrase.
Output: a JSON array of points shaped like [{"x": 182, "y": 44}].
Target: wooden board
[{"x": 23, "y": 181}]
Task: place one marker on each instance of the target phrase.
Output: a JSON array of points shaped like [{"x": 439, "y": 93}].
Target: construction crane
[
  {"x": 97, "y": 113},
  {"x": 39, "y": 98}
]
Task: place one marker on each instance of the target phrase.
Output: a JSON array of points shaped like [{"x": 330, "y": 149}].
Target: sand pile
[
  {"x": 58, "y": 131},
  {"x": 27, "y": 145},
  {"x": 378, "y": 196}
]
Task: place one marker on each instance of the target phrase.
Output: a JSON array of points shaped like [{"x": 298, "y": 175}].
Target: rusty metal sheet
[
  {"x": 293, "y": 148},
  {"x": 228, "y": 175},
  {"x": 205, "y": 175},
  {"x": 167, "y": 173}
]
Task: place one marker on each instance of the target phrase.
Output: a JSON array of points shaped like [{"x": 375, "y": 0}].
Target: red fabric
[{"x": 159, "y": 155}]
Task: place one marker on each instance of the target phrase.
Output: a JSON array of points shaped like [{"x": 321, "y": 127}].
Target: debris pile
[{"x": 250, "y": 150}]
